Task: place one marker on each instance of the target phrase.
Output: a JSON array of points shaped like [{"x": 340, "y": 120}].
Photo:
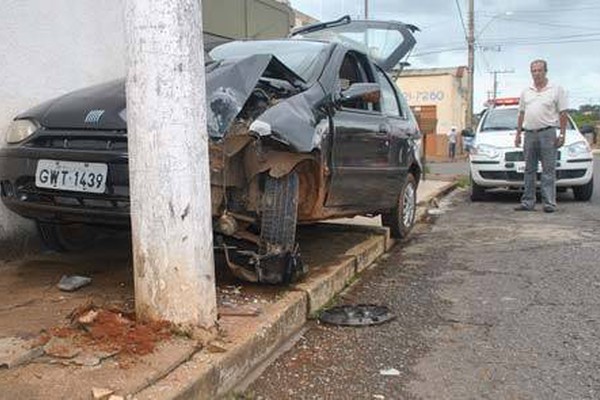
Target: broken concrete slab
[
  {"x": 61, "y": 348},
  {"x": 16, "y": 351},
  {"x": 101, "y": 393}
]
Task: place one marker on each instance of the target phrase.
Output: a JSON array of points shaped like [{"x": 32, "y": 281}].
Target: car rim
[{"x": 408, "y": 207}]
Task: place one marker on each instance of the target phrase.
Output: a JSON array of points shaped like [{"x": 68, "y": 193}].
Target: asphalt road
[{"x": 490, "y": 304}]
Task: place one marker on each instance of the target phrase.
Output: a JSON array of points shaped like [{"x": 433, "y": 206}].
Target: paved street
[{"x": 490, "y": 304}]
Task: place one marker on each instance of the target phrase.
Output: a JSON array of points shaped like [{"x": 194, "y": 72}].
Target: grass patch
[{"x": 463, "y": 182}]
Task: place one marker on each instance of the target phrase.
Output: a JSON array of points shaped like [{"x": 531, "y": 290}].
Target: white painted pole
[{"x": 168, "y": 163}]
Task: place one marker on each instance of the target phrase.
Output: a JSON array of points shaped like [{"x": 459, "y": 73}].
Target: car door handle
[{"x": 384, "y": 130}]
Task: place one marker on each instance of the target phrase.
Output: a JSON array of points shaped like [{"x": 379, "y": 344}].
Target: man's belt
[{"x": 539, "y": 130}]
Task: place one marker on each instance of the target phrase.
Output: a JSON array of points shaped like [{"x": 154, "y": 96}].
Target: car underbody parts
[{"x": 285, "y": 267}]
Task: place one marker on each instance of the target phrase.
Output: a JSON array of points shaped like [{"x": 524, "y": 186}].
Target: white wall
[{"x": 48, "y": 48}]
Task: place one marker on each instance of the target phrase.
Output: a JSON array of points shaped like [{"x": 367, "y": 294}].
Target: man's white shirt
[{"x": 542, "y": 107}]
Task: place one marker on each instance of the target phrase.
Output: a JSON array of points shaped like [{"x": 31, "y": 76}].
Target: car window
[
  {"x": 389, "y": 101},
  {"x": 306, "y": 59},
  {"x": 405, "y": 109},
  {"x": 356, "y": 69}
]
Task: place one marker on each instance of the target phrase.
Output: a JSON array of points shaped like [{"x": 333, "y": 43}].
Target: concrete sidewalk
[
  {"x": 254, "y": 320},
  {"x": 207, "y": 376}
]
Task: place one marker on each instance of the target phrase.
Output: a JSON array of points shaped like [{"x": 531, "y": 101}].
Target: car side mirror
[
  {"x": 587, "y": 128},
  {"x": 367, "y": 92},
  {"x": 467, "y": 133}
]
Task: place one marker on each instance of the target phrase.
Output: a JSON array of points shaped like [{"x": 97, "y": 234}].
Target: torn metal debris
[{"x": 356, "y": 315}]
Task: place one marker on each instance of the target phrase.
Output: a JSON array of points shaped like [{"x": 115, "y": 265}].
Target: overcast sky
[{"x": 509, "y": 34}]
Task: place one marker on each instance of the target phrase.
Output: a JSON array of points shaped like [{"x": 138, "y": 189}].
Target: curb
[
  {"x": 422, "y": 206},
  {"x": 211, "y": 375}
]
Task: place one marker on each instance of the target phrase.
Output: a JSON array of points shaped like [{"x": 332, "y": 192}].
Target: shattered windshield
[{"x": 306, "y": 59}]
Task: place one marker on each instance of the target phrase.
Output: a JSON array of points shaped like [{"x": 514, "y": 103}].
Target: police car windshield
[
  {"x": 500, "y": 119},
  {"x": 505, "y": 119}
]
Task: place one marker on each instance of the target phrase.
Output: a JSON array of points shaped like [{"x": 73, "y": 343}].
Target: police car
[{"x": 495, "y": 162}]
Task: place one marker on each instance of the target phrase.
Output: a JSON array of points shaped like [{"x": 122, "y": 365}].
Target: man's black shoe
[
  {"x": 521, "y": 207},
  {"x": 549, "y": 209}
]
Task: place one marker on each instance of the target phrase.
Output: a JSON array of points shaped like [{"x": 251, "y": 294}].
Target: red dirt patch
[{"x": 113, "y": 331}]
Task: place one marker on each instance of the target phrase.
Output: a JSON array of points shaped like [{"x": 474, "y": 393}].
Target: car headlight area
[
  {"x": 487, "y": 151},
  {"x": 20, "y": 129},
  {"x": 579, "y": 149}
]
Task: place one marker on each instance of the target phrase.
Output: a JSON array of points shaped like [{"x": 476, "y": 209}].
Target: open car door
[{"x": 385, "y": 42}]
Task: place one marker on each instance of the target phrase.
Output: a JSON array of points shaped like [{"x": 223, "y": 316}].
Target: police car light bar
[{"x": 503, "y": 101}]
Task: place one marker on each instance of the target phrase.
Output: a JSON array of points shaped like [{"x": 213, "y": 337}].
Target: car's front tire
[
  {"x": 278, "y": 220},
  {"x": 476, "y": 192},
  {"x": 401, "y": 218},
  {"x": 66, "y": 237},
  {"x": 584, "y": 192}
]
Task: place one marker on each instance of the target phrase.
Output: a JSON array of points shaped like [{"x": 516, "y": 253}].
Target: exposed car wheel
[
  {"x": 401, "y": 218},
  {"x": 279, "y": 214},
  {"x": 584, "y": 192},
  {"x": 476, "y": 192},
  {"x": 66, "y": 237}
]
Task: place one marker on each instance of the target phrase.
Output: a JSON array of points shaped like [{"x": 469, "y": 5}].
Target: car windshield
[
  {"x": 305, "y": 58},
  {"x": 505, "y": 119},
  {"x": 500, "y": 119}
]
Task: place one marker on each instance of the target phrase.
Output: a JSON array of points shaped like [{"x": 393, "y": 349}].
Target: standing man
[
  {"x": 452, "y": 134},
  {"x": 542, "y": 108}
]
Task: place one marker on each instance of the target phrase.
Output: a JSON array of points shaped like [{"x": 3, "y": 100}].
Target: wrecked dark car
[{"x": 302, "y": 129}]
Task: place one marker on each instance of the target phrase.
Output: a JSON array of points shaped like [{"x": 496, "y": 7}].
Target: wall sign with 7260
[{"x": 71, "y": 175}]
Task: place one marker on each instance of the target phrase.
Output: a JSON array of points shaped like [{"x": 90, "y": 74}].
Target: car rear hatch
[{"x": 386, "y": 42}]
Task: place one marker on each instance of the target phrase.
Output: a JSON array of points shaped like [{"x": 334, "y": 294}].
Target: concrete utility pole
[
  {"x": 168, "y": 163},
  {"x": 495, "y": 74},
  {"x": 471, "y": 50},
  {"x": 366, "y": 9}
]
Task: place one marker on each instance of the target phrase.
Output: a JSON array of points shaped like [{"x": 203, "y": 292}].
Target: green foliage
[
  {"x": 462, "y": 181},
  {"x": 584, "y": 119},
  {"x": 587, "y": 114}
]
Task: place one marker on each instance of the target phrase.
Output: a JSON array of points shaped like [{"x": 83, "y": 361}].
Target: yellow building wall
[{"x": 443, "y": 91}]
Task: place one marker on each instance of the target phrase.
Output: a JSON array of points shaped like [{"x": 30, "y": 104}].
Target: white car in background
[{"x": 495, "y": 162}]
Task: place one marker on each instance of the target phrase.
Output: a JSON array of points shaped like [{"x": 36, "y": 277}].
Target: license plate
[
  {"x": 521, "y": 168},
  {"x": 69, "y": 175}
]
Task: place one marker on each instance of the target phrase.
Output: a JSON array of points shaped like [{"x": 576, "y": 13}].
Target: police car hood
[{"x": 506, "y": 138}]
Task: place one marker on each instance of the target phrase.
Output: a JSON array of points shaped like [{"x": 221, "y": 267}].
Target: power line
[
  {"x": 425, "y": 53},
  {"x": 462, "y": 21},
  {"x": 551, "y": 24},
  {"x": 463, "y": 48},
  {"x": 511, "y": 39},
  {"x": 551, "y": 10},
  {"x": 549, "y": 42}
]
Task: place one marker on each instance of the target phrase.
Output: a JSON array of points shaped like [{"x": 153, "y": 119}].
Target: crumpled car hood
[{"x": 229, "y": 83}]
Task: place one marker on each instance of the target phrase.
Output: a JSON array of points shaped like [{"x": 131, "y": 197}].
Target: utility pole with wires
[
  {"x": 471, "y": 66},
  {"x": 495, "y": 75},
  {"x": 366, "y": 9}
]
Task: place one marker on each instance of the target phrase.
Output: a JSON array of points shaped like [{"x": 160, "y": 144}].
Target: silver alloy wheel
[{"x": 409, "y": 205}]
